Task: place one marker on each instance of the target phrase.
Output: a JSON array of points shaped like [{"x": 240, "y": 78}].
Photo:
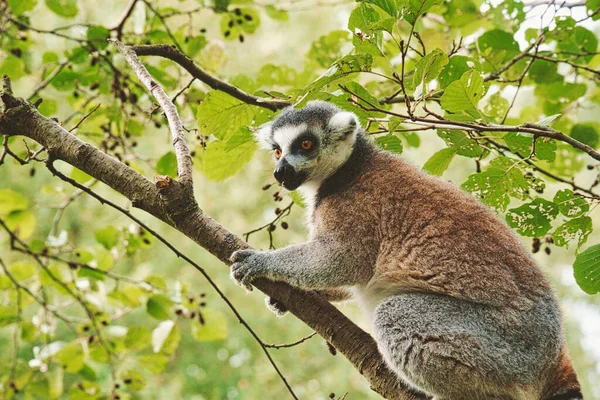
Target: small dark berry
[
  {"x": 203, "y": 30},
  {"x": 32, "y": 172},
  {"x": 202, "y": 294},
  {"x": 590, "y": 166},
  {"x": 230, "y": 24},
  {"x": 266, "y": 187},
  {"x": 157, "y": 124},
  {"x": 331, "y": 395},
  {"x": 277, "y": 211},
  {"x": 237, "y": 11},
  {"x": 240, "y": 21},
  {"x": 202, "y": 304},
  {"x": 241, "y": 38},
  {"x": 547, "y": 250},
  {"x": 284, "y": 225},
  {"x": 248, "y": 17},
  {"x": 146, "y": 241},
  {"x": 127, "y": 381},
  {"x": 227, "y": 33},
  {"x": 272, "y": 227},
  {"x": 192, "y": 315}
]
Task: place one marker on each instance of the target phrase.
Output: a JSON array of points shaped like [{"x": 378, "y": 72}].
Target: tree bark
[{"x": 173, "y": 203}]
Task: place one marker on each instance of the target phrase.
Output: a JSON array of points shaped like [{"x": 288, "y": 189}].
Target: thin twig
[{"x": 287, "y": 345}]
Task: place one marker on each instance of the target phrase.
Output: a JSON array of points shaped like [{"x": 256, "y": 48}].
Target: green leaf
[
  {"x": 18, "y": 7},
  {"x": 276, "y": 14},
  {"x": 167, "y": 165},
  {"x": 364, "y": 18},
  {"x": 137, "y": 338},
  {"x": 165, "y": 337},
  {"x": 456, "y": 67},
  {"x": 221, "y": 114},
  {"x": 108, "y": 236},
  {"x": 463, "y": 94},
  {"x": 389, "y": 6},
  {"x": 542, "y": 71},
  {"x": 343, "y": 67},
  {"x": 154, "y": 363},
  {"x": 461, "y": 142},
  {"x": 63, "y": 8},
  {"x": 581, "y": 40},
  {"x": 502, "y": 179},
  {"x": 547, "y": 121},
  {"x": 98, "y": 35},
  {"x": 532, "y": 219},
  {"x": 72, "y": 357},
  {"x": 159, "y": 306},
  {"x": 85, "y": 390},
  {"x": 415, "y": 8},
  {"x": 439, "y": 161},
  {"x": 429, "y": 67},
  {"x": 390, "y": 143},
  {"x": 22, "y": 270},
  {"x": 134, "y": 380},
  {"x": 297, "y": 199},
  {"x": 328, "y": 48},
  {"x": 22, "y": 223},
  {"x": 217, "y": 163},
  {"x": 497, "y": 46},
  {"x": 587, "y": 134},
  {"x": 576, "y": 229},
  {"x": 11, "y": 201},
  {"x": 571, "y": 205},
  {"x": 586, "y": 269},
  {"x": 209, "y": 326}
]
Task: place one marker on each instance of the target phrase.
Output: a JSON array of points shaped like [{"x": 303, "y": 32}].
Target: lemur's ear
[
  {"x": 344, "y": 123},
  {"x": 263, "y": 136}
]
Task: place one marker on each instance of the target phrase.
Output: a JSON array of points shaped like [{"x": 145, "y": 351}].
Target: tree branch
[
  {"x": 169, "y": 202},
  {"x": 537, "y": 130},
  {"x": 171, "y": 53},
  {"x": 184, "y": 159}
]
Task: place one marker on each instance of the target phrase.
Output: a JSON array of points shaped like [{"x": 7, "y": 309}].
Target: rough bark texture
[{"x": 174, "y": 204}]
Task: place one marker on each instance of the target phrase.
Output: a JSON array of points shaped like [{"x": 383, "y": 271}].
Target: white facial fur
[{"x": 336, "y": 145}]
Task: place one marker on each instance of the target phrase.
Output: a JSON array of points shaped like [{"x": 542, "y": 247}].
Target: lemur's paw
[{"x": 247, "y": 266}]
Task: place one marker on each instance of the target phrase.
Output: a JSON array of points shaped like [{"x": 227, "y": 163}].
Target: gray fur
[{"x": 459, "y": 309}]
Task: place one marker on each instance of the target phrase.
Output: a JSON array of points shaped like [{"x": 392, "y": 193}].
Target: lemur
[{"x": 459, "y": 309}]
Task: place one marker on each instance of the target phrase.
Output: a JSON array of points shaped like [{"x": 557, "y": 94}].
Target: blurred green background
[{"x": 235, "y": 367}]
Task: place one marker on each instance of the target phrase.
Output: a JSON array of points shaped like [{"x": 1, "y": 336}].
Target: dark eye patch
[{"x": 297, "y": 144}]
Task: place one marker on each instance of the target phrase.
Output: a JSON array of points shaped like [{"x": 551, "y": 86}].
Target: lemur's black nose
[{"x": 284, "y": 172}]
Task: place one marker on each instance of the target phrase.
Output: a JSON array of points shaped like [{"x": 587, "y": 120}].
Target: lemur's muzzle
[{"x": 287, "y": 175}]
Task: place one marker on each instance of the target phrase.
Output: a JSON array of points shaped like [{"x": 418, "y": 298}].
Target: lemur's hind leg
[{"x": 453, "y": 349}]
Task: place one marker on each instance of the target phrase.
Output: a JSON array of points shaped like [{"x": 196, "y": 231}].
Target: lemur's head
[{"x": 309, "y": 144}]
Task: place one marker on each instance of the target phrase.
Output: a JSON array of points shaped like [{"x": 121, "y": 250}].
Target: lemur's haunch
[{"x": 459, "y": 308}]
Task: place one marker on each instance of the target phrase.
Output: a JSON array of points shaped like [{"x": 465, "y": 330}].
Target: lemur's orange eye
[
  {"x": 277, "y": 153},
  {"x": 306, "y": 144}
]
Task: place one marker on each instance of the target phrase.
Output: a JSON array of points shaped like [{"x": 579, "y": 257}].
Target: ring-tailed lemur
[{"x": 459, "y": 308}]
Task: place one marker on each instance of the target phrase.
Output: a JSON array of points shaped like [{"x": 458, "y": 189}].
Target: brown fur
[{"x": 434, "y": 238}]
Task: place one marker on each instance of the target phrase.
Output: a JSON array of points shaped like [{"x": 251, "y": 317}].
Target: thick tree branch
[
  {"x": 170, "y": 52},
  {"x": 171, "y": 203},
  {"x": 184, "y": 159}
]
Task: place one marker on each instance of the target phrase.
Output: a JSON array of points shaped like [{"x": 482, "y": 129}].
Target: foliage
[{"x": 89, "y": 318}]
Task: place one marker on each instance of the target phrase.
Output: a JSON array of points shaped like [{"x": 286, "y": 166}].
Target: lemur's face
[{"x": 309, "y": 144}]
